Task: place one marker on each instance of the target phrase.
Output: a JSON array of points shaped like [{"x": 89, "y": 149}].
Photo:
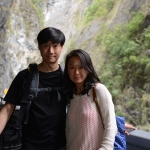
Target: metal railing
[{"x": 138, "y": 140}]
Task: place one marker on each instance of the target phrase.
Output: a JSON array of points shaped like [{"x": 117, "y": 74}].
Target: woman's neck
[
  {"x": 79, "y": 89},
  {"x": 45, "y": 67}
]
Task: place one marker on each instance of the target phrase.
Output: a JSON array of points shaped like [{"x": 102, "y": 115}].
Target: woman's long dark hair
[{"x": 86, "y": 62}]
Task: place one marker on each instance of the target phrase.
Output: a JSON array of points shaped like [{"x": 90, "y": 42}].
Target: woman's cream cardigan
[{"x": 84, "y": 130}]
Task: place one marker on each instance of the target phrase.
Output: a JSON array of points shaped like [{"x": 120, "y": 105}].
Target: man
[{"x": 45, "y": 129}]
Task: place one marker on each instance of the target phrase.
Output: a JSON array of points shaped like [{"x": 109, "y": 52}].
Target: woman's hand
[{"x": 129, "y": 128}]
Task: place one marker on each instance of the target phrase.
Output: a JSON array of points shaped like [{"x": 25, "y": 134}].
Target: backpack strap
[
  {"x": 27, "y": 96},
  {"x": 32, "y": 93},
  {"x": 32, "y": 82},
  {"x": 49, "y": 89},
  {"x": 35, "y": 89}
]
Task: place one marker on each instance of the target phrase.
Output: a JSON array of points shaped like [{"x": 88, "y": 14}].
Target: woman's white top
[{"x": 84, "y": 130}]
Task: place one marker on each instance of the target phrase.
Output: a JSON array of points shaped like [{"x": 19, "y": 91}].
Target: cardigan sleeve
[{"x": 108, "y": 114}]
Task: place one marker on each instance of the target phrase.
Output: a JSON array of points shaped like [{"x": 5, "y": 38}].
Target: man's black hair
[
  {"x": 51, "y": 34},
  {"x": 86, "y": 63}
]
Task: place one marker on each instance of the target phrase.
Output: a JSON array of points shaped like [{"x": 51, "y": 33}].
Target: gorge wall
[{"x": 21, "y": 20}]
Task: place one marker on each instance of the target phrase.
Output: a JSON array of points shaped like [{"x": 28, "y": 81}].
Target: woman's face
[{"x": 75, "y": 70}]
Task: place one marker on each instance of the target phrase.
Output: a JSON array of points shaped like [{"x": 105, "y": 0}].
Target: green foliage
[
  {"x": 115, "y": 92},
  {"x": 148, "y": 104},
  {"x": 9, "y": 25},
  {"x": 109, "y": 4},
  {"x": 33, "y": 1},
  {"x": 147, "y": 68},
  {"x": 37, "y": 1},
  {"x": 99, "y": 38},
  {"x": 70, "y": 46},
  {"x": 35, "y": 5},
  {"x": 119, "y": 113},
  {"x": 135, "y": 24},
  {"x": 131, "y": 104},
  {"x": 97, "y": 9},
  {"x": 147, "y": 37},
  {"x": 127, "y": 65}
]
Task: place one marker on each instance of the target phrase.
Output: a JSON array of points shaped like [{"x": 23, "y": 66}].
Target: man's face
[{"x": 50, "y": 52}]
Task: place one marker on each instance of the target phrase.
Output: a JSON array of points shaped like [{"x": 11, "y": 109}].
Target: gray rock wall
[
  {"x": 5, "y": 6},
  {"x": 20, "y": 24}
]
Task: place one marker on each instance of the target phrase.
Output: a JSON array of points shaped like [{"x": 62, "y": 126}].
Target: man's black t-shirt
[{"x": 46, "y": 126}]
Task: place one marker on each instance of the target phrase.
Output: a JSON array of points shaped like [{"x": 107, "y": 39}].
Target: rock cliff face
[
  {"x": 21, "y": 20},
  {"x": 85, "y": 37},
  {"x": 19, "y": 28},
  {"x": 66, "y": 15},
  {"x": 5, "y": 6}
]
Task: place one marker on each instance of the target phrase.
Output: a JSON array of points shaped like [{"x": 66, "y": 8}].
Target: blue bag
[{"x": 120, "y": 138}]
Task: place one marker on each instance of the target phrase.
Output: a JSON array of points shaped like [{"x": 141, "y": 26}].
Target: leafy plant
[
  {"x": 35, "y": 5},
  {"x": 119, "y": 113},
  {"x": 135, "y": 24},
  {"x": 147, "y": 37},
  {"x": 97, "y": 9}
]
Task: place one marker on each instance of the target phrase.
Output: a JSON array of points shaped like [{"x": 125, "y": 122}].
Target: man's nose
[{"x": 51, "y": 49}]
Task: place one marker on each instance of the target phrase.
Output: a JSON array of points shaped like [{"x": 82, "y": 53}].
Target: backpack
[
  {"x": 120, "y": 138},
  {"x": 11, "y": 136}
]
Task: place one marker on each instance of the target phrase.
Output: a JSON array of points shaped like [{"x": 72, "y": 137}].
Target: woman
[{"x": 84, "y": 128}]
